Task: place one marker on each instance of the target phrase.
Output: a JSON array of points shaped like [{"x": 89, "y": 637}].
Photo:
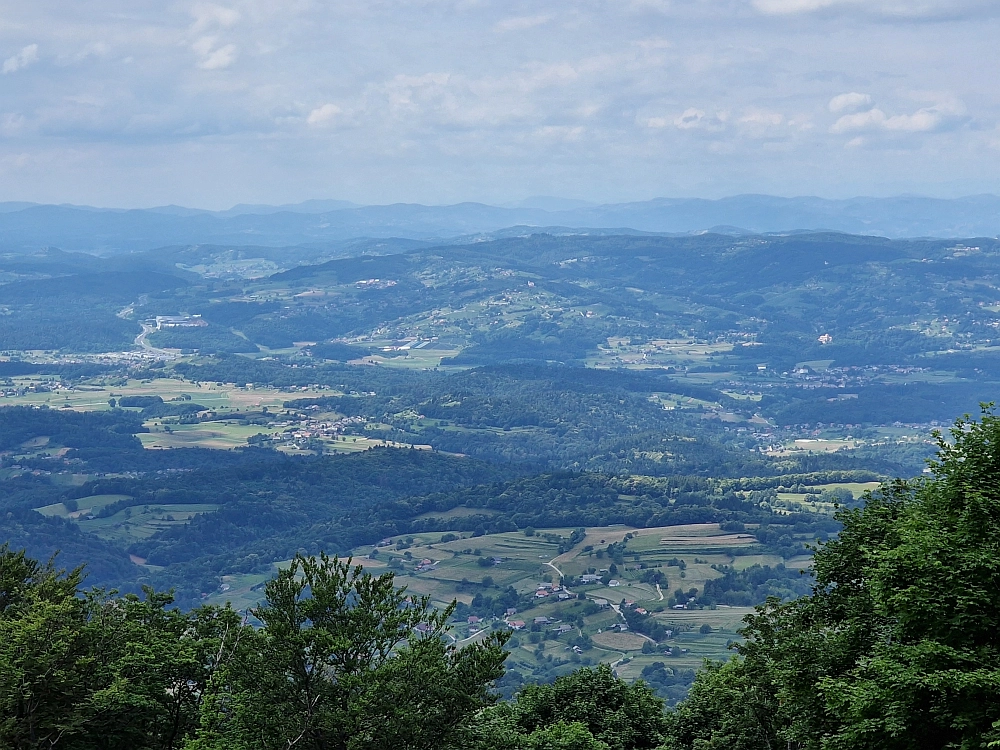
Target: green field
[
  {"x": 128, "y": 525},
  {"x": 455, "y": 574},
  {"x": 95, "y": 397}
]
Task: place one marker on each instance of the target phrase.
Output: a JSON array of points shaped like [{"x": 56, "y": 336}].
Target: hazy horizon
[{"x": 534, "y": 202}]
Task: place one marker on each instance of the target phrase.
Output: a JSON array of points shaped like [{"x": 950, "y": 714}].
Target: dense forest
[{"x": 893, "y": 647}]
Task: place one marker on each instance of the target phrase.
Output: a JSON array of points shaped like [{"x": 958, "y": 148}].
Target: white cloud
[
  {"x": 21, "y": 60},
  {"x": 522, "y": 23},
  {"x": 213, "y": 58},
  {"x": 697, "y": 119},
  {"x": 787, "y": 7},
  {"x": 870, "y": 120},
  {"x": 762, "y": 118},
  {"x": 208, "y": 15},
  {"x": 901, "y": 9},
  {"x": 323, "y": 115},
  {"x": 559, "y": 133},
  {"x": 851, "y": 102},
  {"x": 924, "y": 120}
]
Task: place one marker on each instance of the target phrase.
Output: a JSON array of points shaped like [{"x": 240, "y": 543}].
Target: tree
[
  {"x": 44, "y": 659},
  {"x": 590, "y": 709},
  {"x": 346, "y": 660},
  {"x": 896, "y": 647},
  {"x": 87, "y": 670}
]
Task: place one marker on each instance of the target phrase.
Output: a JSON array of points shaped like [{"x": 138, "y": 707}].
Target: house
[
  {"x": 563, "y": 596},
  {"x": 541, "y": 594},
  {"x": 613, "y": 583},
  {"x": 589, "y": 578},
  {"x": 602, "y": 603},
  {"x": 564, "y": 628},
  {"x": 511, "y": 611},
  {"x": 542, "y": 621},
  {"x": 473, "y": 620},
  {"x": 641, "y": 611},
  {"x": 516, "y": 624}
]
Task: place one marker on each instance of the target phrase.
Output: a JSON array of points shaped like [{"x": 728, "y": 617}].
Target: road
[{"x": 141, "y": 342}]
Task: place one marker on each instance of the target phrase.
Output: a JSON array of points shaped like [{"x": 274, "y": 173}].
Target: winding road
[{"x": 142, "y": 343}]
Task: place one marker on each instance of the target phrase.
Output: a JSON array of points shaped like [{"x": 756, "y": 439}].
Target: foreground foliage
[
  {"x": 341, "y": 660},
  {"x": 897, "y": 647}
]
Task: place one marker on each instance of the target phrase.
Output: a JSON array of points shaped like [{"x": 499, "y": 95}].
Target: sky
[{"x": 138, "y": 103}]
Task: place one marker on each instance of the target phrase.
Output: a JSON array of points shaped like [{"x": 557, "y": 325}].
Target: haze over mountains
[{"x": 28, "y": 226}]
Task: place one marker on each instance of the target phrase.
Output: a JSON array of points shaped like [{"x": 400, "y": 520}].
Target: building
[{"x": 179, "y": 321}]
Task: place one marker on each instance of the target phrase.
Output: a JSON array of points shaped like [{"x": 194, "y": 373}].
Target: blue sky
[{"x": 137, "y": 103}]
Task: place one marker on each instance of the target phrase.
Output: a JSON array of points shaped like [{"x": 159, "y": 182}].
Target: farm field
[
  {"x": 554, "y": 613},
  {"x": 478, "y": 572},
  {"x": 24, "y": 391},
  {"x": 127, "y": 525}
]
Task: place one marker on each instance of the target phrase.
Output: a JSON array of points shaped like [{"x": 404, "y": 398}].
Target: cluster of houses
[
  {"x": 592, "y": 578},
  {"x": 546, "y": 590}
]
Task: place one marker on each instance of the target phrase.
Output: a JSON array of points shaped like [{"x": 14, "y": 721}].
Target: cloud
[
  {"x": 697, "y": 119},
  {"x": 522, "y": 23},
  {"x": 869, "y": 120},
  {"x": 324, "y": 115},
  {"x": 851, "y": 102},
  {"x": 21, "y": 60},
  {"x": 924, "y": 120},
  {"x": 213, "y": 58},
  {"x": 900, "y": 9},
  {"x": 762, "y": 118},
  {"x": 207, "y": 16}
]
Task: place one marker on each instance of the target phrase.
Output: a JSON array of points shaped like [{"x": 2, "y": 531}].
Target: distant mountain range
[{"x": 28, "y": 226}]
